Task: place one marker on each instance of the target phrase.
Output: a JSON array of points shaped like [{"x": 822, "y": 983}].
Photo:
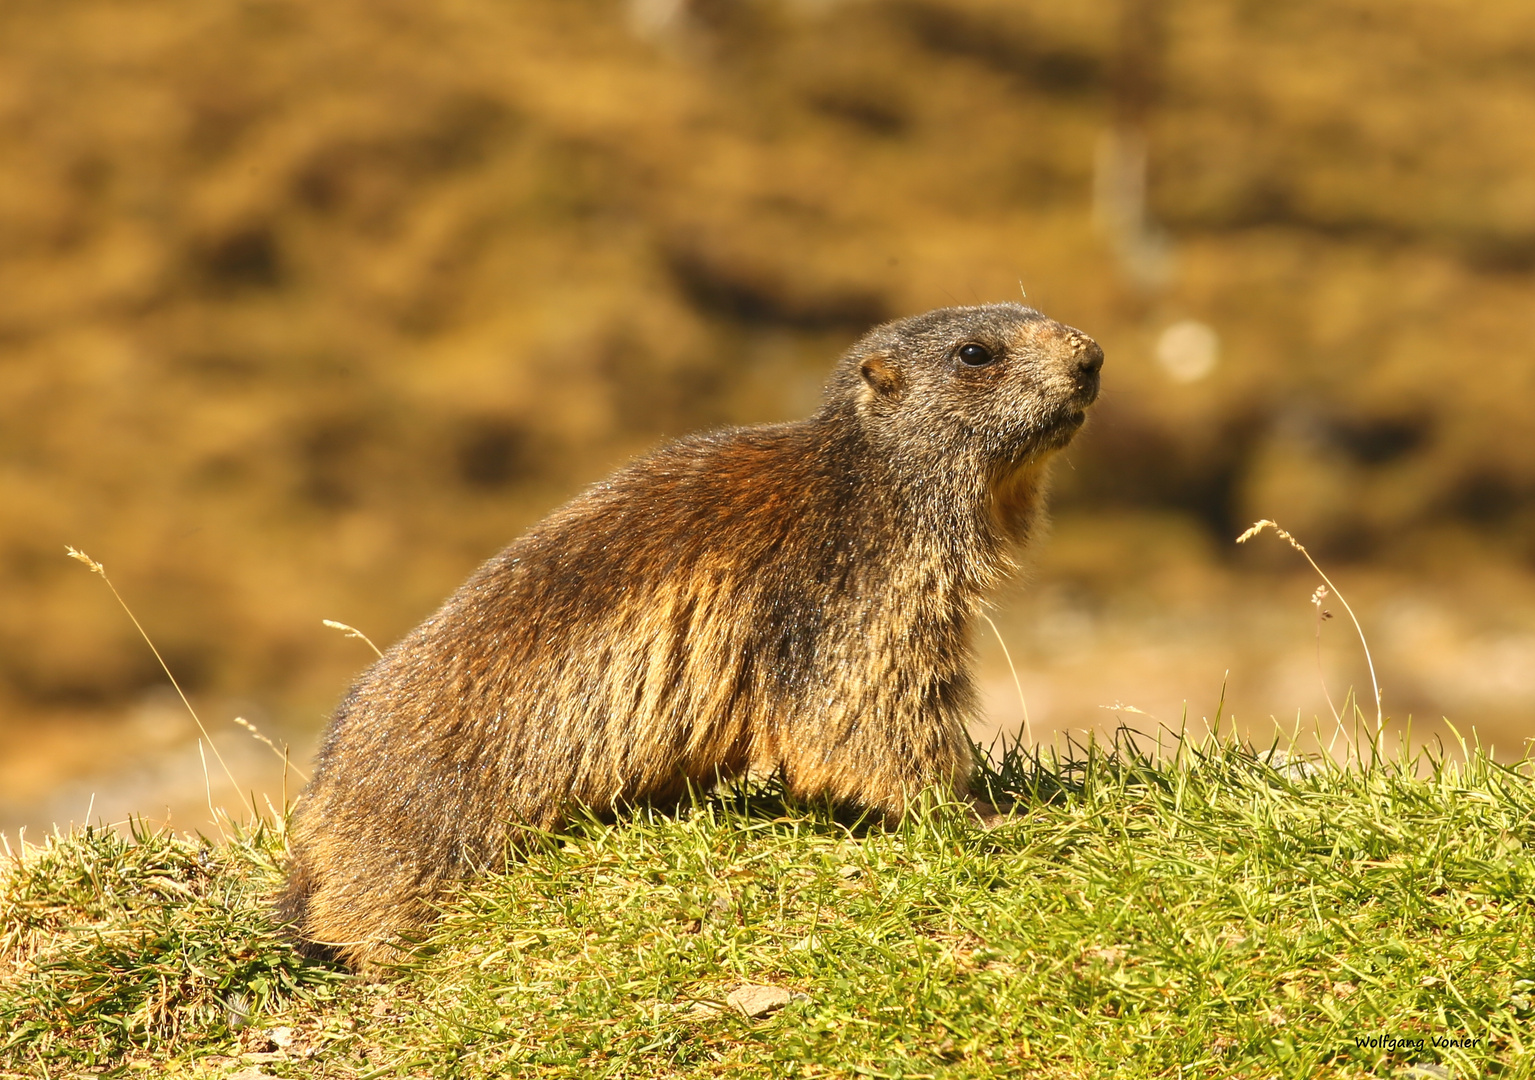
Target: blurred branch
[{"x": 1119, "y": 168}]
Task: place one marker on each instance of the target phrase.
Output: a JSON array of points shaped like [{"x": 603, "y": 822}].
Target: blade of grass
[{"x": 99, "y": 570}]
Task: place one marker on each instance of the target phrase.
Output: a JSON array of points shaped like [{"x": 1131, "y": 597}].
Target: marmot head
[{"x": 1000, "y": 382}]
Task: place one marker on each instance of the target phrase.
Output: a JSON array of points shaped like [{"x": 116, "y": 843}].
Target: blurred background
[{"x": 306, "y": 309}]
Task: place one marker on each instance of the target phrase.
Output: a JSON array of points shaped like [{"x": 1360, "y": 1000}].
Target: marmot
[{"x": 793, "y": 597}]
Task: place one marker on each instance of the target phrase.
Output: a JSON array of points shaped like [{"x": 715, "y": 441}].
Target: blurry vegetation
[{"x": 306, "y": 309}]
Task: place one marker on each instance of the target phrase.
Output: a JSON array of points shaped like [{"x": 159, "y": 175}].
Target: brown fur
[{"x": 795, "y": 597}]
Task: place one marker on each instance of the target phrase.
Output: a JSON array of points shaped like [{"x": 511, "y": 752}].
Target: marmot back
[{"x": 794, "y": 597}]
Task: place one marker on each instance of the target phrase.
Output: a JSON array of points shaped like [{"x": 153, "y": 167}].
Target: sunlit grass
[
  {"x": 117, "y": 943},
  {"x": 1216, "y": 911}
]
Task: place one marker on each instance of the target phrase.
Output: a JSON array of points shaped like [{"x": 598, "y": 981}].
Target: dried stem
[
  {"x": 1322, "y": 615},
  {"x": 1028, "y": 729},
  {"x": 352, "y": 631},
  {"x": 283, "y": 753},
  {"x": 1257, "y": 528},
  {"x": 97, "y": 568}
]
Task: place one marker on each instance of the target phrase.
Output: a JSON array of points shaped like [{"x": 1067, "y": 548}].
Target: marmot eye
[{"x": 976, "y": 355}]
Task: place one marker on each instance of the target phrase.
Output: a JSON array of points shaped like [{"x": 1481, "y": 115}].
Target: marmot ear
[{"x": 880, "y": 373}]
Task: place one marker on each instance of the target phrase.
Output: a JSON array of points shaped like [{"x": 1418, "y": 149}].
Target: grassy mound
[{"x": 1215, "y": 912}]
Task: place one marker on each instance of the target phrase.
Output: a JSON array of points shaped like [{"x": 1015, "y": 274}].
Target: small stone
[
  {"x": 264, "y": 1058},
  {"x": 281, "y": 1036},
  {"x": 754, "y": 1001},
  {"x": 256, "y": 1042}
]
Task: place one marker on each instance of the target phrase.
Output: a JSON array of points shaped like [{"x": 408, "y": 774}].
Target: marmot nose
[{"x": 1091, "y": 359}]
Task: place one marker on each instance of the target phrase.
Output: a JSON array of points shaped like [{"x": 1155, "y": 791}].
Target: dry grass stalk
[
  {"x": 353, "y": 632},
  {"x": 1028, "y": 729},
  {"x": 1258, "y": 527},
  {"x": 282, "y": 753},
  {"x": 100, "y": 571}
]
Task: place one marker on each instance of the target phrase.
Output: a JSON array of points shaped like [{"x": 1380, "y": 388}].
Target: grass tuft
[{"x": 115, "y": 944}]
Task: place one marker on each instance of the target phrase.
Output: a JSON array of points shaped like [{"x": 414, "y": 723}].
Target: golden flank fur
[{"x": 793, "y": 598}]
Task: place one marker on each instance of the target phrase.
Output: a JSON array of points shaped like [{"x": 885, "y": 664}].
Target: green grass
[{"x": 1209, "y": 914}]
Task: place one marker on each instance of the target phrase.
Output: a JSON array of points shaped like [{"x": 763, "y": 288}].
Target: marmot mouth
[
  {"x": 1067, "y": 423},
  {"x": 1070, "y": 420}
]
